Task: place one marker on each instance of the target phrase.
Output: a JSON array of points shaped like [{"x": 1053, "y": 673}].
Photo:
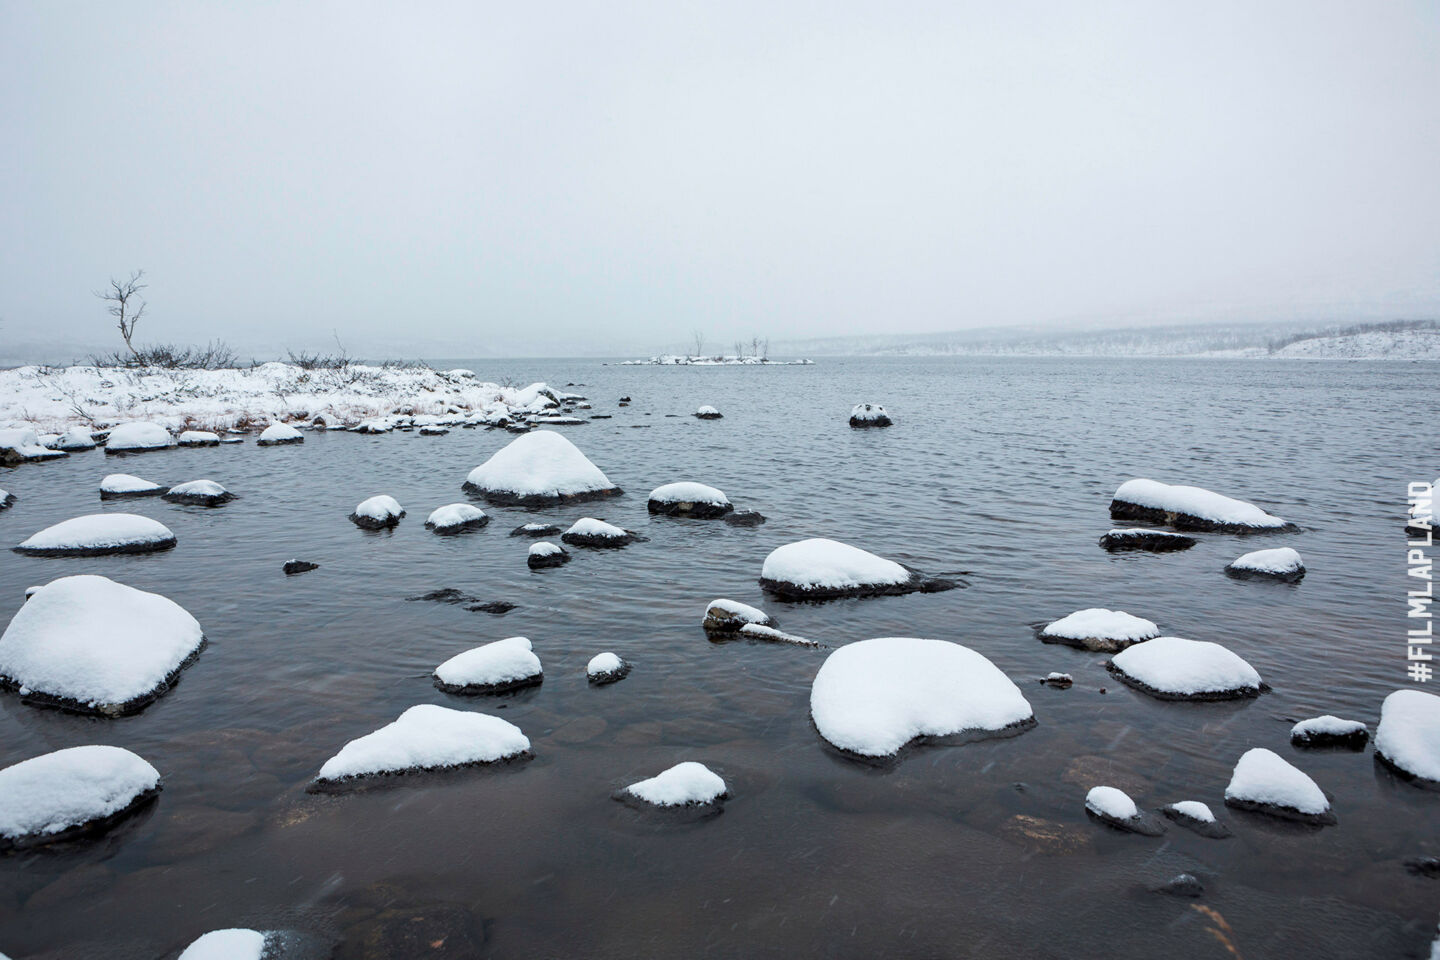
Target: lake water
[{"x": 1000, "y": 468}]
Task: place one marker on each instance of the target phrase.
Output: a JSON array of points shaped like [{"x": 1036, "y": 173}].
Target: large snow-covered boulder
[
  {"x": 606, "y": 668},
  {"x": 1329, "y": 731},
  {"x": 537, "y": 468},
  {"x": 728, "y": 616},
  {"x": 685, "y": 784},
  {"x": 426, "y": 737},
  {"x": 688, "y": 499},
  {"x": 98, "y": 534},
  {"x": 869, "y": 415},
  {"x": 1408, "y": 737},
  {"x": 197, "y": 438},
  {"x": 123, "y": 486},
  {"x": 1174, "y": 668},
  {"x": 235, "y": 943},
  {"x": 820, "y": 569},
  {"x": 507, "y": 664},
  {"x": 873, "y": 697},
  {"x": 545, "y": 554},
  {"x": 22, "y": 445},
  {"x": 278, "y": 433},
  {"x": 1113, "y": 806},
  {"x": 1281, "y": 563},
  {"x": 1265, "y": 782},
  {"x": 1189, "y": 508},
  {"x": 377, "y": 513},
  {"x": 200, "y": 493},
  {"x": 91, "y": 644},
  {"x": 1099, "y": 629},
  {"x": 138, "y": 437},
  {"x": 1142, "y": 538},
  {"x": 78, "y": 790},
  {"x": 456, "y": 518},
  {"x": 590, "y": 532}
]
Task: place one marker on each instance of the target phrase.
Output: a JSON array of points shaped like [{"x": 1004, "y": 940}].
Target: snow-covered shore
[{"x": 53, "y": 399}]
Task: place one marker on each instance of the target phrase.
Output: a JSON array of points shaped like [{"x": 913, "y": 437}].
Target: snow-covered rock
[
  {"x": 869, "y": 415},
  {"x": 456, "y": 517},
  {"x": 589, "y": 532},
  {"x": 1057, "y": 679},
  {"x": 1174, "y": 668},
  {"x": 507, "y": 664},
  {"x": 1280, "y": 563},
  {"x": 293, "y": 566},
  {"x": 22, "y": 445},
  {"x": 873, "y": 697},
  {"x": 121, "y": 486},
  {"x": 7, "y": 499},
  {"x": 538, "y": 468},
  {"x": 546, "y": 554},
  {"x": 708, "y": 412},
  {"x": 1189, "y": 508},
  {"x": 97, "y": 534},
  {"x": 684, "y": 784},
  {"x": 197, "y": 438},
  {"x": 536, "y": 530},
  {"x": 1113, "y": 806},
  {"x": 204, "y": 493},
  {"x": 728, "y": 616},
  {"x": 1329, "y": 731},
  {"x": 426, "y": 737},
  {"x": 1408, "y": 737},
  {"x": 278, "y": 433},
  {"x": 377, "y": 513},
  {"x": 606, "y": 668},
  {"x": 688, "y": 499},
  {"x": 60, "y": 795},
  {"x": 1140, "y": 538},
  {"x": 433, "y": 430},
  {"x": 1197, "y": 818},
  {"x": 92, "y": 644},
  {"x": 820, "y": 569},
  {"x": 1099, "y": 629},
  {"x": 75, "y": 440},
  {"x": 231, "y": 944},
  {"x": 137, "y": 437},
  {"x": 1265, "y": 782}
]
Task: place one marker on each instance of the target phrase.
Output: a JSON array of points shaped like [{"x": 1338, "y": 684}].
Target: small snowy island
[{"x": 679, "y": 360}]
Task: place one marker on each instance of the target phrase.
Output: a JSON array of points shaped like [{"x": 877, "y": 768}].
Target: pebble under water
[{"x": 998, "y": 471}]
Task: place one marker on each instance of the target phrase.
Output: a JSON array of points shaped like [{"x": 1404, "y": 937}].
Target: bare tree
[
  {"x": 765, "y": 348},
  {"x": 755, "y": 346},
  {"x": 699, "y": 342},
  {"x": 125, "y": 305}
]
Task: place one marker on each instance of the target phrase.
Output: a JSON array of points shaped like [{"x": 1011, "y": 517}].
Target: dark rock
[
  {"x": 540, "y": 561},
  {"x": 157, "y": 491},
  {"x": 445, "y": 595},
  {"x": 1138, "y": 513},
  {"x": 475, "y": 689},
  {"x": 1061, "y": 681},
  {"x": 1241, "y": 573},
  {"x": 495, "y": 607},
  {"x": 1182, "y": 885},
  {"x": 1424, "y": 866},
  {"x": 1416, "y": 531},
  {"x": 536, "y": 530},
  {"x": 370, "y": 523},
  {"x": 612, "y": 676},
  {"x": 712, "y": 415},
  {"x": 1353, "y": 740},
  {"x": 745, "y": 518},
  {"x": 504, "y": 498},
  {"x": 918, "y": 583},
  {"x": 687, "y": 508},
  {"x": 601, "y": 542},
  {"x": 624, "y": 399},
  {"x": 7, "y": 501},
  {"x": 1155, "y": 541},
  {"x": 434, "y": 431},
  {"x": 199, "y": 499},
  {"x": 1146, "y": 824},
  {"x": 1213, "y": 829},
  {"x": 293, "y": 567},
  {"x": 869, "y": 415},
  {"x": 601, "y": 416},
  {"x": 1327, "y": 818},
  {"x": 149, "y": 546}
]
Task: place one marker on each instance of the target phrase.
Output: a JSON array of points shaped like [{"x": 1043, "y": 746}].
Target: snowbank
[
  {"x": 873, "y": 697},
  {"x": 1408, "y": 737},
  {"x": 1265, "y": 782},
  {"x": 426, "y": 737},
  {"x": 869, "y": 415},
  {"x": 590, "y": 532},
  {"x": 606, "y": 668},
  {"x": 819, "y": 569},
  {"x": 1099, "y": 629},
  {"x": 92, "y": 644},
  {"x": 546, "y": 554},
  {"x": 1173, "y": 668},
  {"x": 1188, "y": 508},
  {"x": 118, "y": 486},
  {"x": 688, "y": 499},
  {"x": 279, "y": 433},
  {"x": 682, "y": 785},
  {"x": 204, "y": 493},
  {"x": 537, "y": 468},
  {"x": 1329, "y": 731},
  {"x": 377, "y": 513},
  {"x": 456, "y": 517},
  {"x": 1140, "y": 538},
  {"x": 97, "y": 534},
  {"x": 58, "y": 795},
  {"x": 1281, "y": 563},
  {"x": 232, "y": 944},
  {"x": 507, "y": 664},
  {"x": 137, "y": 437}
]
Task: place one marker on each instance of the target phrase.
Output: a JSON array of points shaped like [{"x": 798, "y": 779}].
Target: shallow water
[{"x": 1002, "y": 469}]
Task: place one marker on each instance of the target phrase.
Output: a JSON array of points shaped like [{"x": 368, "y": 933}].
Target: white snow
[
  {"x": 1409, "y": 733},
  {"x": 1195, "y": 501},
  {"x": 427, "y": 737},
  {"x": 1111, "y": 802},
  {"x": 1055, "y": 675},
  {"x": 590, "y": 527},
  {"x": 454, "y": 515},
  {"x": 868, "y": 411},
  {"x": 99, "y": 531},
  {"x": 76, "y": 438},
  {"x": 138, "y": 435},
  {"x": 541, "y": 463},
  {"x": 829, "y": 564},
  {"x": 759, "y": 631},
  {"x": 1102, "y": 624},
  {"x": 97, "y": 642},
  {"x": 732, "y": 613},
  {"x": 26, "y": 443},
  {"x": 1183, "y": 667},
  {"x": 503, "y": 661},
  {"x": 603, "y": 663},
  {"x": 1263, "y": 776},
  {"x": 1193, "y": 809},
  {"x": 544, "y": 548},
  {"x": 537, "y": 527},
  {"x": 875, "y": 696},
  {"x": 705, "y": 410},
  {"x": 688, "y": 492},
  {"x": 55, "y": 791},
  {"x": 232, "y": 944},
  {"x": 279, "y": 433},
  {"x": 126, "y": 483},
  {"x": 1280, "y": 560},
  {"x": 197, "y": 488},
  {"x": 380, "y": 508},
  {"x": 1327, "y": 725},
  {"x": 682, "y": 784},
  {"x": 197, "y": 438}
]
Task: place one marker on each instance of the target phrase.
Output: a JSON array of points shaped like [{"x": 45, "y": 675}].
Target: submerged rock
[
  {"x": 606, "y": 668},
  {"x": 1113, "y": 807},
  {"x": 1281, "y": 563},
  {"x": 377, "y": 513},
  {"x": 869, "y": 415},
  {"x": 541, "y": 467},
  {"x": 1196, "y": 817},
  {"x": 546, "y": 554},
  {"x": 121, "y": 486},
  {"x": 138, "y": 437},
  {"x": 496, "y": 667},
  {"x": 1264, "y": 782},
  {"x": 1328, "y": 731},
  {"x": 293, "y": 567},
  {"x": 821, "y": 569},
  {"x": 69, "y": 793},
  {"x": 744, "y": 518},
  {"x": 589, "y": 532},
  {"x": 683, "y": 785},
  {"x": 279, "y": 433},
  {"x": 1182, "y": 885},
  {"x": 687, "y": 499},
  {"x": 202, "y": 493},
  {"x": 456, "y": 518},
  {"x": 1408, "y": 737},
  {"x": 708, "y": 412},
  {"x": 536, "y": 530},
  {"x": 425, "y": 737},
  {"x": 1139, "y": 538},
  {"x": 1189, "y": 508},
  {"x": 98, "y": 534},
  {"x": 1173, "y": 668},
  {"x": 1096, "y": 628}
]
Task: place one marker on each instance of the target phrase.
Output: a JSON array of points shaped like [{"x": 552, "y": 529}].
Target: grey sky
[{"x": 552, "y": 178}]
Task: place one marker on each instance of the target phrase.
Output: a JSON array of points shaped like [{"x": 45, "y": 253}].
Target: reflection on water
[{"x": 999, "y": 468}]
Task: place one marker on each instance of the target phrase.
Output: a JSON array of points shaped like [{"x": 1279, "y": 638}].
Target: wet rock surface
[{"x": 293, "y": 567}]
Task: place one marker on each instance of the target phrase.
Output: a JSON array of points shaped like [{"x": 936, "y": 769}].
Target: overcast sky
[{"x": 550, "y": 178}]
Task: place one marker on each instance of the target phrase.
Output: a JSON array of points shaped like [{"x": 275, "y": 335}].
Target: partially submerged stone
[
  {"x": 203, "y": 493},
  {"x": 821, "y": 569},
  {"x": 1141, "y": 538},
  {"x": 590, "y": 532},
  {"x": 728, "y": 616},
  {"x": 425, "y": 737},
  {"x": 708, "y": 412},
  {"x": 279, "y": 433},
  {"x": 744, "y": 518},
  {"x": 546, "y": 554},
  {"x": 497, "y": 667},
  {"x": 1264, "y": 782},
  {"x": 1189, "y": 508},
  {"x": 1099, "y": 629},
  {"x": 1329, "y": 731},
  {"x": 1174, "y": 668},
  {"x": 536, "y": 530},
  {"x": 1113, "y": 807},
  {"x": 293, "y": 567},
  {"x": 606, "y": 668},
  {"x": 197, "y": 438},
  {"x": 1281, "y": 563},
  {"x": 1408, "y": 737},
  {"x": 98, "y": 534},
  {"x": 123, "y": 486},
  {"x": 1197, "y": 818},
  {"x": 71, "y": 793},
  {"x": 688, "y": 499},
  {"x": 540, "y": 467},
  {"x": 7, "y": 499},
  {"x": 138, "y": 437},
  {"x": 683, "y": 785},
  {"x": 456, "y": 518},
  {"x": 869, "y": 415},
  {"x": 377, "y": 513},
  {"x": 22, "y": 445}
]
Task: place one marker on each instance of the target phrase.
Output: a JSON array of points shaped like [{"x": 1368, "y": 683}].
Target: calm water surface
[{"x": 1000, "y": 468}]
